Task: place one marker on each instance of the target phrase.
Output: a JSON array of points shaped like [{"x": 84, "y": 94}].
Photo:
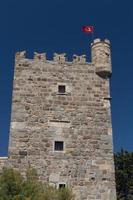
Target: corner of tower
[
  {"x": 20, "y": 55},
  {"x": 101, "y": 57}
]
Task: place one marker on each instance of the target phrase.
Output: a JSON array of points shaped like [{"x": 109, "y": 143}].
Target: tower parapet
[
  {"x": 79, "y": 59},
  {"x": 40, "y": 56},
  {"x": 20, "y": 55},
  {"x": 101, "y": 57},
  {"x": 58, "y": 58},
  {"x": 61, "y": 58}
]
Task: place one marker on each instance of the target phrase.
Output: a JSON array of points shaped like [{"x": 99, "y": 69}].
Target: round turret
[{"x": 101, "y": 57}]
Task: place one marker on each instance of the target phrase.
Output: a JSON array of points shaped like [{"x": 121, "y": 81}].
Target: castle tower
[
  {"x": 101, "y": 57},
  {"x": 61, "y": 121}
]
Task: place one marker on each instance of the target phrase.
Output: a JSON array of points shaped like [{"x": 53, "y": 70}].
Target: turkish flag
[{"x": 87, "y": 29}]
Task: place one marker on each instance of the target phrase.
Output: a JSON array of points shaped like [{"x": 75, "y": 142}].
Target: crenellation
[
  {"x": 20, "y": 55},
  {"x": 40, "y": 56},
  {"x": 79, "y": 59},
  {"x": 97, "y": 40},
  {"x": 107, "y": 41},
  {"x": 61, "y": 58}
]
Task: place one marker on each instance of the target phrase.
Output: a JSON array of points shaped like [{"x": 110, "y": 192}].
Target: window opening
[
  {"x": 59, "y": 146},
  {"x": 61, "y": 89},
  {"x": 62, "y": 185}
]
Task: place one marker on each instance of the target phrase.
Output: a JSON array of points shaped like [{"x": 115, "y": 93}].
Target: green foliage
[
  {"x": 31, "y": 186},
  {"x": 65, "y": 194},
  {"x": 124, "y": 175},
  {"x": 10, "y": 184},
  {"x": 14, "y": 187}
]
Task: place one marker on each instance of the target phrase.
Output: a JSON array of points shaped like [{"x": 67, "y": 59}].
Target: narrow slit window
[
  {"x": 62, "y": 89},
  {"x": 59, "y": 146}
]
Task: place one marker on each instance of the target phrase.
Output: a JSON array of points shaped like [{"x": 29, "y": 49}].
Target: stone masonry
[
  {"x": 61, "y": 121},
  {"x": 3, "y": 162}
]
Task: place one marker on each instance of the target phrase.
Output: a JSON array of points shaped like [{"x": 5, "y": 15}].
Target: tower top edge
[
  {"x": 57, "y": 58},
  {"x": 98, "y": 40}
]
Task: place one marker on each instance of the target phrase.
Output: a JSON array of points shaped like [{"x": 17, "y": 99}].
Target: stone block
[
  {"x": 18, "y": 125},
  {"x": 54, "y": 177}
]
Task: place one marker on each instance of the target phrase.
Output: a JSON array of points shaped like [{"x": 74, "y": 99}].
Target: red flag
[{"x": 87, "y": 29}]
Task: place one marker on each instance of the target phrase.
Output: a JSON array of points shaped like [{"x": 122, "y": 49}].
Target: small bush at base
[{"x": 14, "y": 187}]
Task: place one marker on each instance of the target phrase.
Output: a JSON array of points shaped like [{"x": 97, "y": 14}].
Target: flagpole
[{"x": 92, "y": 36}]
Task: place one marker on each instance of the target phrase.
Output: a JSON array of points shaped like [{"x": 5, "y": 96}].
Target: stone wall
[
  {"x": 80, "y": 117},
  {"x": 3, "y": 162}
]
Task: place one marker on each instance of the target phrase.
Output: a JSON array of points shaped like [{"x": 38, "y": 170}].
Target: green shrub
[
  {"x": 65, "y": 194},
  {"x": 10, "y": 184},
  {"x": 14, "y": 187}
]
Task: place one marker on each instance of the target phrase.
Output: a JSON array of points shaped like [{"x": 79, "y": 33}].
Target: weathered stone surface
[
  {"x": 80, "y": 117},
  {"x": 3, "y": 162}
]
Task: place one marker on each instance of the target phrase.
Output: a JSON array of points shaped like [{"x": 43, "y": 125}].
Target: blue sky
[{"x": 55, "y": 26}]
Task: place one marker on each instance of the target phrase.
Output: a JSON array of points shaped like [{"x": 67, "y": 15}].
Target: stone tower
[{"x": 61, "y": 121}]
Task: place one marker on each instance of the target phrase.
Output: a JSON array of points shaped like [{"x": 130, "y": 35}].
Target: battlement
[
  {"x": 59, "y": 58},
  {"x": 98, "y": 40},
  {"x": 100, "y": 51},
  {"x": 100, "y": 58}
]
